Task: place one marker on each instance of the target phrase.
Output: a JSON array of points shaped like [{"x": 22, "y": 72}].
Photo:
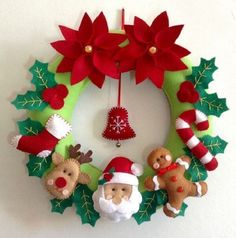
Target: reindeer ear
[
  {"x": 84, "y": 178},
  {"x": 57, "y": 158}
]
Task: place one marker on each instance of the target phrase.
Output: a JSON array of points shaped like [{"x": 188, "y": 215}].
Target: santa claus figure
[{"x": 117, "y": 197}]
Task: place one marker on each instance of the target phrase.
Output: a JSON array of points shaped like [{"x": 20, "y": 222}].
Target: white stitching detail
[{"x": 183, "y": 163}]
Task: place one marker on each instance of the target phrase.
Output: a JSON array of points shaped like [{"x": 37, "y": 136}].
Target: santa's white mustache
[{"x": 109, "y": 207}]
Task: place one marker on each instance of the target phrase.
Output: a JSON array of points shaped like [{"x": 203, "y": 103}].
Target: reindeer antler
[
  {"x": 74, "y": 151},
  {"x": 85, "y": 158}
]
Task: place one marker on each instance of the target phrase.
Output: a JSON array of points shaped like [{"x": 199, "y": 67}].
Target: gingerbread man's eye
[
  {"x": 113, "y": 189},
  {"x": 162, "y": 156},
  {"x": 123, "y": 189},
  {"x": 64, "y": 171},
  {"x": 157, "y": 159},
  {"x": 69, "y": 174}
]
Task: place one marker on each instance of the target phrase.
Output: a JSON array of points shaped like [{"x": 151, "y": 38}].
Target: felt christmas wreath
[{"x": 173, "y": 173}]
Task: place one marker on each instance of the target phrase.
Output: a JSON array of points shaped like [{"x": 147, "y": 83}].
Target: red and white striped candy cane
[{"x": 198, "y": 149}]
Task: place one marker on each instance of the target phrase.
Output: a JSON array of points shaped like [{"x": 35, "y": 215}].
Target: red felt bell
[{"x": 118, "y": 127}]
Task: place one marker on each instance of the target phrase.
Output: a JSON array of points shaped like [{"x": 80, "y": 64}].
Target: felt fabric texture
[
  {"x": 89, "y": 51},
  {"x": 170, "y": 177},
  {"x": 121, "y": 170},
  {"x": 64, "y": 177},
  {"x": 152, "y": 50},
  {"x": 43, "y": 143},
  {"x": 55, "y": 96},
  {"x": 187, "y": 93},
  {"x": 118, "y": 127},
  {"x": 187, "y": 135}
]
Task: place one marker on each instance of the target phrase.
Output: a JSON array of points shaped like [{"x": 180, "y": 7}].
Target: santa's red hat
[{"x": 121, "y": 170}]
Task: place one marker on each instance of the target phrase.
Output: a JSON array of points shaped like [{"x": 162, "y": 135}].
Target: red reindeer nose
[{"x": 60, "y": 182}]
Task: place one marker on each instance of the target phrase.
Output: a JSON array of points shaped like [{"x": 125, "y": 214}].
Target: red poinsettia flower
[
  {"x": 152, "y": 49},
  {"x": 89, "y": 51}
]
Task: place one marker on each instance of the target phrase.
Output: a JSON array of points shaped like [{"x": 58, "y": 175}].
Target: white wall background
[{"x": 26, "y": 28}]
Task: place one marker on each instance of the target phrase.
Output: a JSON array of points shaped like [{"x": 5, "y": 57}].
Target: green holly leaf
[
  {"x": 202, "y": 75},
  {"x": 182, "y": 210},
  {"x": 84, "y": 205},
  {"x": 42, "y": 78},
  {"x": 162, "y": 197},
  {"x": 29, "y": 127},
  {"x": 210, "y": 104},
  {"x": 59, "y": 206},
  {"x": 196, "y": 169},
  {"x": 215, "y": 145},
  {"x": 147, "y": 207},
  {"x": 30, "y": 101},
  {"x": 37, "y": 166}
]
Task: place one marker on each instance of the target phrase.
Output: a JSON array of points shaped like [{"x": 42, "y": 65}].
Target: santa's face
[
  {"x": 117, "y": 202},
  {"x": 117, "y": 192}
]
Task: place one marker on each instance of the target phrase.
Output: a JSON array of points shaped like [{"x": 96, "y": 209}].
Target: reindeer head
[{"x": 62, "y": 180}]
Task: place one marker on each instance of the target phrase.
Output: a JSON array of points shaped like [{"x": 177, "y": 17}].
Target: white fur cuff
[
  {"x": 183, "y": 163},
  {"x": 58, "y": 127},
  {"x": 172, "y": 209},
  {"x": 157, "y": 185}
]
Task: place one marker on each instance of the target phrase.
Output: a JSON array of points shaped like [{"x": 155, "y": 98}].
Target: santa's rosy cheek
[{"x": 156, "y": 166}]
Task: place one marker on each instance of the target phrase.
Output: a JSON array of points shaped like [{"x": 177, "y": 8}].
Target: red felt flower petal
[
  {"x": 132, "y": 50},
  {"x": 127, "y": 65},
  {"x": 143, "y": 67},
  {"x": 65, "y": 65},
  {"x": 109, "y": 40},
  {"x": 157, "y": 77},
  {"x": 179, "y": 51},
  {"x": 85, "y": 29},
  {"x": 81, "y": 69},
  {"x": 168, "y": 36},
  {"x": 169, "y": 61},
  {"x": 67, "y": 48},
  {"x": 160, "y": 22},
  {"x": 61, "y": 90},
  {"x": 142, "y": 31},
  {"x": 48, "y": 94},
  {"x": 68, "y": 33},
  {"x": 57, "y": 103},
  {"x": 105, "y": 64},
  {"x": 97, "y": 78},
  {"x": 129, "y": 31},
  {"x": 100, "y": 25}
]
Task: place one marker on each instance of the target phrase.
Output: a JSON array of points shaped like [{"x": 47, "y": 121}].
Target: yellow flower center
[
  {"x": 152, "y": 50},
  {"x": 88, "y": 49}
]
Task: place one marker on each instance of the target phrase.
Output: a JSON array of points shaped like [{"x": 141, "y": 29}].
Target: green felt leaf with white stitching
[
  {"x": 42, "y": 78},
  {"x": 211, "y": 104},
  {"x": 29, "y": 127},
  {"x": 196, "y": 169},
  {"x": 59, "y": 206},
  {"x": 37, "y": 166},
  {"x": 147, "y": 207},
  {"x": 84, "y": 205},
  {"x": 202, "y": 75},
  {"x": 215, "y": 145},
  {"x": 30, "y": 101},
  {"x": 162, "y": 197}
]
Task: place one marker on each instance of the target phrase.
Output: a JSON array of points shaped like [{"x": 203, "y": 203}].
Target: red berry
[
  {"x": 56, "y": 102},
  {"x": 48, "y": 94},
  {"x": 61, "y": 90},
  {"x": 187, "y": 93},
  {"x": 108, "y": 177}
]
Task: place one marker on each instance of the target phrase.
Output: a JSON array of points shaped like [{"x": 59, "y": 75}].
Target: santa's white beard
[{"x": 120, "y": 212}]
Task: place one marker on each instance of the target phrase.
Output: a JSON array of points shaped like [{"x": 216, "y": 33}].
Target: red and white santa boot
[{"x": 56, "y": 128}]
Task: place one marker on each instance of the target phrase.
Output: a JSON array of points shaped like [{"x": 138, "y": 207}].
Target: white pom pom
[
  {"x": 15, "y": 141},
  {"x": 137, "y": 169}
]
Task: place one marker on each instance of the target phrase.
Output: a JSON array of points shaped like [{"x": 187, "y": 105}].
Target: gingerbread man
[{"x": 170, "y": 176}]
